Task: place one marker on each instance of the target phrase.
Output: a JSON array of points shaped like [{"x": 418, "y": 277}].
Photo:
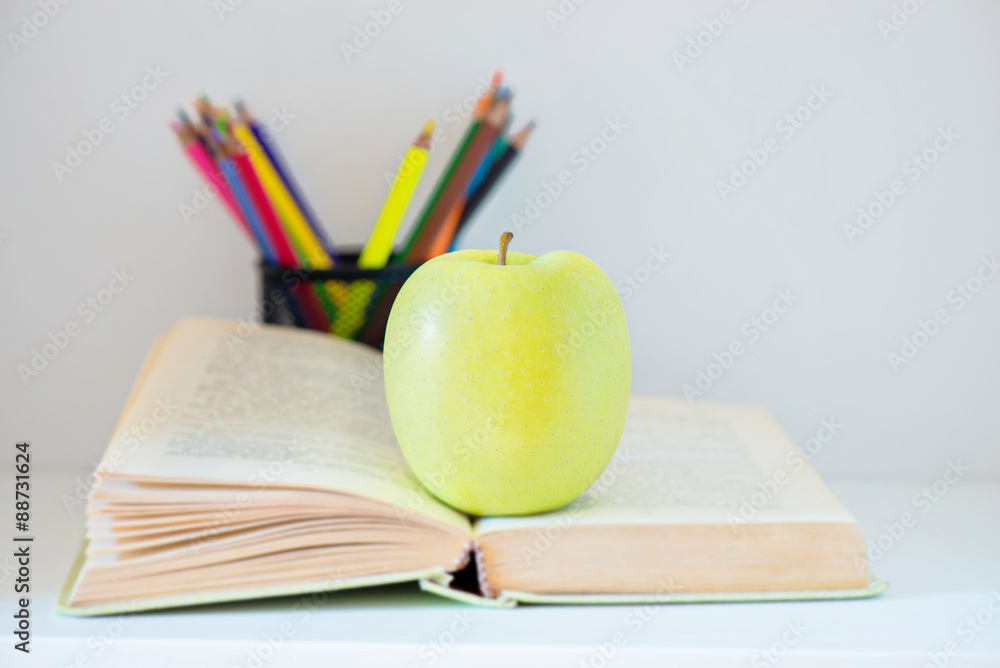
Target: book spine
[{"x": 484, "y": 585}]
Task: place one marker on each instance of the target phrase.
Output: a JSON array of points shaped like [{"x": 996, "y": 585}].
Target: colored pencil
[
  {"x": 313, "y": 255},
  {"x": 477, "y": 115},
  {"x": 477, "y": 180},
  {"x": 283, "y": 255},
  {"x": 309, "y": 250},
  {"x": 261, "y": 135},
  {"x": 236, "y": 155},
  {"x": 440, "y": 244},
  {"x": 316, "y": 306},
  {"x": 283, "y": 252},
  {"x": 228, "y": 165},
  {"x": 377, "y": 251},
  {"x": 452, "y": 223},
  {"x": 381, "y": 304},
  {"x": 442, "y": 219},
  {"x": 204, "y": 111},
  {"x": 199, "y": 156},
  {"x": 481, "y": 136},
  {"x": 515, "y": 145},
  {"x": 498, "y": 149},
  {"x": 193, "y": 128}
]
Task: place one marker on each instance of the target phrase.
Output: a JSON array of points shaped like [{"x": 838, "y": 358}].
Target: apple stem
[{"x": 504, "y": 242}]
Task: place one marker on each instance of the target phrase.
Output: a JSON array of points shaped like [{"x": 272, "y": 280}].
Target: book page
[
  {"x": 696, "y": 463},
  {"x": 266, "y": 407}
]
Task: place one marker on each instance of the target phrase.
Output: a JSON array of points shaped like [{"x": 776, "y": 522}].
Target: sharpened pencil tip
[{"x": 428, "y": 127}]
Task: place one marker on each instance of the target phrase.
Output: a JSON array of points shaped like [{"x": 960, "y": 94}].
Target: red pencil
[{"x": 283, "y": 252}]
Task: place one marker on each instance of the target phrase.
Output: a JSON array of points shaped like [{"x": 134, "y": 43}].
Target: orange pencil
[{"x": 446, "y": 234}]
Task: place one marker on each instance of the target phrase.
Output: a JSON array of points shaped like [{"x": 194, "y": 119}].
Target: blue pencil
[
  {"x": 484, "y": 166},
  {"x": 228, "y": 166}
]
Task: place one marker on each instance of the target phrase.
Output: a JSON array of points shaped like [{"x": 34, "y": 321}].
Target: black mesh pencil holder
[{"x": 345, "y": 301}]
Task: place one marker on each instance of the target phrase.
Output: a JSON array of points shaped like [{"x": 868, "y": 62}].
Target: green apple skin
[{"x": 507, "y": 385}]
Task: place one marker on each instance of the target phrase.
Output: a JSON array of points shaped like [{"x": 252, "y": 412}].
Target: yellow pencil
[
  {"x": 378, "y": 250},
  {"x": 379, "y": 247},
  {"x": 307, "y": 245},
  {"x": 314, "y": 256}
]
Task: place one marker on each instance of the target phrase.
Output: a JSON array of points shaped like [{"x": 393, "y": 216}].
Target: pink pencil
[{"x": 203, "y": 162}]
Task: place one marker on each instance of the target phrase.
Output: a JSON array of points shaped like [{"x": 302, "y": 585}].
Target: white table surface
[{"x": 942, "y": 570}]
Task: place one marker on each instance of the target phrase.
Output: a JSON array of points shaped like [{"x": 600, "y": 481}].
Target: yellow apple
[{"x": 507, "y": 377}]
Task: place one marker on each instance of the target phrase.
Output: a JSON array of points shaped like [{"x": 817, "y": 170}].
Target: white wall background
[{"x": 656, "y": 185}]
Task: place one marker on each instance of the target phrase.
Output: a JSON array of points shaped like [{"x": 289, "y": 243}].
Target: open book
[{"x": 260, "y": 461}]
